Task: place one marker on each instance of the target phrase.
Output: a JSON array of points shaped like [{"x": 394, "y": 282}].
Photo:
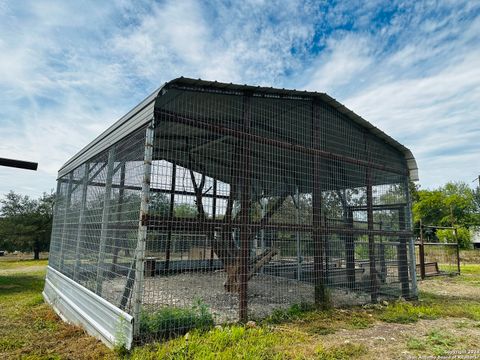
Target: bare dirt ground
[
  {"x": 450, "y": 287},
  {"x": 387, "y": 341}
]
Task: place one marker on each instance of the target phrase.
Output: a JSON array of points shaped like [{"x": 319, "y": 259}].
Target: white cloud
[
  {"x": 423, "y": 92},
  {"x": 70, "y": 69},
  {"x": 343, "y": 62}
]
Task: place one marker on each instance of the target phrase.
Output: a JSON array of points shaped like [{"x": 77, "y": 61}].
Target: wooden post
[
  {"x": 318, "y": 226},
  {"x": 171, "y": 210},
  {"x": 245, "y": 183},
  {"x": 371, "y": 239},
  {"x": 402, "y": 256},
  {"x": 421, "y": 253}
]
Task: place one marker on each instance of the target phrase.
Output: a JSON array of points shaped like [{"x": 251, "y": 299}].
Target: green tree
[
  {"x": 185, "y": 211},
  {"x": 462, "y": 236},
  {"x": 25, "y": 223},
  {"x": 454, "y": 204}
]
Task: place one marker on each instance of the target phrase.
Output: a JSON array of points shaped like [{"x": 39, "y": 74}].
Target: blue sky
[{"x": 69, "y": 69}]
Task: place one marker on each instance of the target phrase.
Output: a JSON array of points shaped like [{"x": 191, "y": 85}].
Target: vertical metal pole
[
  {"x": 245, "y": 182},
  {"x": 411, "y": 248},
  {"x": 121, "y": 195},
  {"x": 142, "y": 227},
  {"x": 458, "y": 250},
  {"x": 383, "y": 264},
  {"x": 213, "y": 234},
  {"x": 170, "y": 217},
  {"x": 402, "y": 255},
  {"x": 318, "y": 226},
  {"x": 65, "y": 215},
  {"x": 105, "y": 220},
  {"x": 350, "y": 251},
  {"x": 421, "y": 253},
  {"x": 81, "y": 220},
  {"x": 371, "y": 238},
  {"x": 56, "y": 220},
  {"x": 263, "y": 203},
  {"x": 297, "y": 233}
]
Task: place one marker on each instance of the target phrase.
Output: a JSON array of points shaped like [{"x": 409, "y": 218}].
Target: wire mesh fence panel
[
  {"x": 236, "y": 203},
  {"x": 96, "y": 221},
  {"x": 438, "y": 259},
  {"x": 260, "y": 203}
]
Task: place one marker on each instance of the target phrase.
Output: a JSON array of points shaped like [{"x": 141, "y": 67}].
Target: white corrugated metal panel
[{"x": 80, "y": 306}]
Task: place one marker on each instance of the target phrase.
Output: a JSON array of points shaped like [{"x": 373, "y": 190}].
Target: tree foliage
[
  {"x": 26, "y": 223},
  {"x": 454, "y": 204}
]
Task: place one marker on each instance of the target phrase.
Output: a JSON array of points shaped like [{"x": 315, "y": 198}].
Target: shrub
[
  {"x": 169, "y": 322},
  {"x": 448, "y": 236},
  {"x": 294, "y": 312}
]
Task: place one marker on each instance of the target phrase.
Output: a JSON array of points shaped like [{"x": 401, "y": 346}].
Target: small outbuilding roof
[{"x": 145, "y": 112}]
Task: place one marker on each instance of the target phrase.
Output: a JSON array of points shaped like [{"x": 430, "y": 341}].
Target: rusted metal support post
[
  {"x": 142, "y": 227},
  {"x": 105, "y": 221},
  {"x": 350, "y": 251},
  {"x": 381, "y": 251},
  {"x": 402, "y": 256},
  {"x": 171, "y": 210},
  {"x": 371, "y": 238},
  {"x": 214, "y": 215},
  {"x": 297, "y": 234},
  {"x": 421, "y": 253},
  {"x": 321, "y": 299},
  {"x": 245, "y": 183}
]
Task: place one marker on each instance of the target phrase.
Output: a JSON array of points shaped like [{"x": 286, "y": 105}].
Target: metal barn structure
[{"x": 218, "y": 202}]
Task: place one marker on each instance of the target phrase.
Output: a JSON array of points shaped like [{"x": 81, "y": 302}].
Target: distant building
[{"x": 476, "y": 237}]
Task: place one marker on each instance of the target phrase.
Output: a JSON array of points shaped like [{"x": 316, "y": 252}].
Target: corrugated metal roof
[{"x": 144, "y": 112}]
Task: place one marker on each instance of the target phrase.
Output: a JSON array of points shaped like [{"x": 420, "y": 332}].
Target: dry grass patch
[{"x": 29, "y": 329}]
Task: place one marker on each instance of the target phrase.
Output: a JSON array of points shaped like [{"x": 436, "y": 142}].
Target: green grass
[
  {"x": 172, "y": 321},
  {"x": 346, "y": 351},
  {"x": 405, "y": 313},
  {"x": 232, "y": 342},
  {"x": 6, "y": 264},
  {"x": 434, "y": 306},
  {"x": 435, "y": 342},
  {"x": 30, "y": 330},
  {"x": 294, "y": 312}
]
